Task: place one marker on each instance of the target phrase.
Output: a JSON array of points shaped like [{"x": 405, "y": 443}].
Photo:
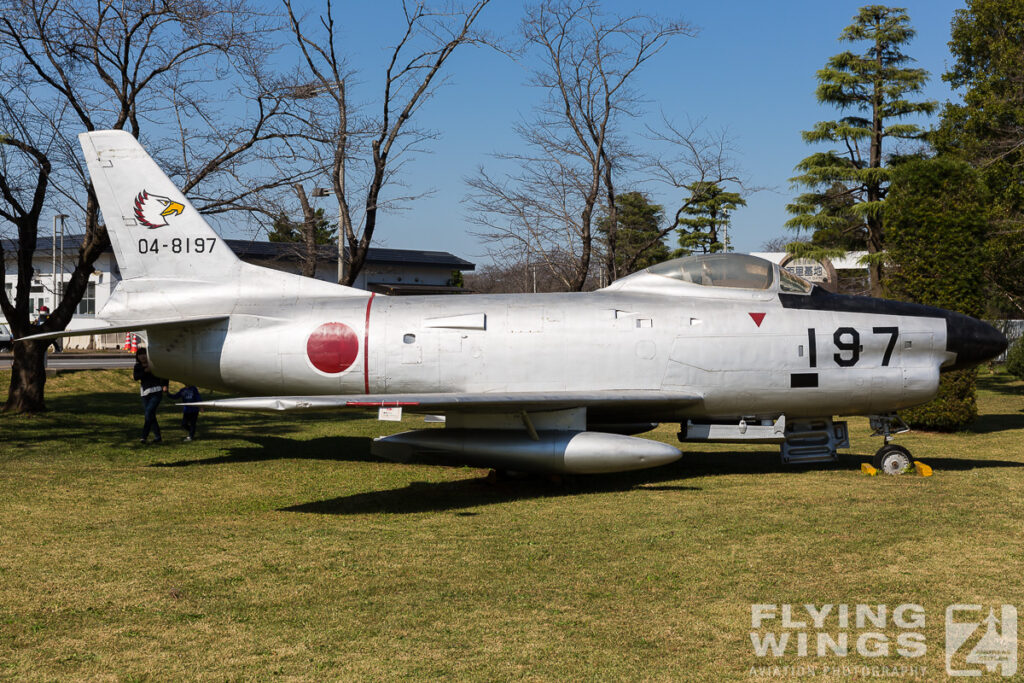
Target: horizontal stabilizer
[
  {"x": 463, "y": 402},
  {"x": 127, "y": 327}
]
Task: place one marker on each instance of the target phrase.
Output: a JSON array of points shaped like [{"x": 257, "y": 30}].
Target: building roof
[
  {"x": 400, "y": 288},
  {"x": 286, "y": 251}
]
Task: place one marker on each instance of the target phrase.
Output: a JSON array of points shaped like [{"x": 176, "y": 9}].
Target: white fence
[{"x": 1013, "y": 329}]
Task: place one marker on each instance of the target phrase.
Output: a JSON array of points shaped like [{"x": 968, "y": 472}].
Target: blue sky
[{"x": 750, "y": 70}]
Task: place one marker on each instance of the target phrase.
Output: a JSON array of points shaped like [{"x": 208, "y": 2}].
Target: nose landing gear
[{"x": 890, "y": 458}]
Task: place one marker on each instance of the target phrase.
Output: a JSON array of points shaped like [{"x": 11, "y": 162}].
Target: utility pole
[
  {"x": 326, "y": 192},
  {"x": 341, "y": 247},
  {"x": 63, "y": 217},
  {"x": 53, "y": 262},
  {"x": 53, "y": 256}
]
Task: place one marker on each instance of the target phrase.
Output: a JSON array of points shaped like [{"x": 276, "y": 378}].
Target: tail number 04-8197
[
  {"x": 178, "y": 245},
  {"x": 848, "y": 347}
]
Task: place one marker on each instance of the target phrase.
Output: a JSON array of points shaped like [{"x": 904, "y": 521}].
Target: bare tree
[
  {"x": 518, "y": 277},
  {"x": 24, "y": 180},
  {"x": 307, "y": 232},
  {"x": 134, "y": 65},
  {"x": 692, "y": 158},
  {"x": 306, "y": 240},
  {"x": 362, "y": 151},
  {"x": 588, "y": 60},
  {"x": 780, "y": 243}
]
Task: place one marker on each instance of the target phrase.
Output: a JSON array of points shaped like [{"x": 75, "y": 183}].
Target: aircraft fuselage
[{"x": 747, "y": 353}]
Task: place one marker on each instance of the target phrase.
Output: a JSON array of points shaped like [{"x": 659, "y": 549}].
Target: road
[{"x": 80, "y": 361}]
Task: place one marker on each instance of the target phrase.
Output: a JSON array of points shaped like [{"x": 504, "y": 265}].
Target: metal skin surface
[{"x": 648, "y": 348}]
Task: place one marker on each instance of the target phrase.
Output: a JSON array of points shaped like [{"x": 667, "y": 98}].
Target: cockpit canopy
[{"x": 738, "y": 271}]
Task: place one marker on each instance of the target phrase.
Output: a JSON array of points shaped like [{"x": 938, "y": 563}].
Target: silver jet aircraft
[{"x": 730, "y": 346}]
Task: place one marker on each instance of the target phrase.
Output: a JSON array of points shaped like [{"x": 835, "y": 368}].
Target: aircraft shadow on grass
[
  {"x": 479, "y": 490},
  {"x": 474, "y": 492},
  {"x": 263, "y": 448},
  {"x": 987, "y": 424},
  {"x": 1001, "y": 384}
]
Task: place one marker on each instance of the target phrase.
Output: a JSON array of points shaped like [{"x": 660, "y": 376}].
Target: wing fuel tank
[{"x": 553, "y": 451}]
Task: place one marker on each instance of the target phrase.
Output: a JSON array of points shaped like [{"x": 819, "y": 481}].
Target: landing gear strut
[{"x": 890, "y": 458}]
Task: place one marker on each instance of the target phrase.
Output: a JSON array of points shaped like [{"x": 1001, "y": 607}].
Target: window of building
[
  {"x": 36, "y": 297},
  {"x": 87, "y": 306}
]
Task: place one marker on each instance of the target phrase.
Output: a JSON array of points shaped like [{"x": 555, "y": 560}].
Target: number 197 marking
[{"x": 847, "y": 341}]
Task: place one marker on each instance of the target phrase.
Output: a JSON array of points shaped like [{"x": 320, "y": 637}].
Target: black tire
[{"x": 892, "y": 459}]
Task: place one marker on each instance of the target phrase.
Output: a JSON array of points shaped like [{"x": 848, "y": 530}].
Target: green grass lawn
[{"x": 277, "y": 546}]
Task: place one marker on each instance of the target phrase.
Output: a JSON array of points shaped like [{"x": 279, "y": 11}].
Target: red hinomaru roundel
[
  {"x": 152, "y": 210},
  {"x": 332, "y": 348}
]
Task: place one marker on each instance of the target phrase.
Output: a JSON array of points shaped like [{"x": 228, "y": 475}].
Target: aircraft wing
[
  {"x": 127, "y": 327},
  {"x": 464, "y": 402}
]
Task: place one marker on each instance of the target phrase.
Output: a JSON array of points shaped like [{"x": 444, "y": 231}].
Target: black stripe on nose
[{"x": 973, "y": 341}]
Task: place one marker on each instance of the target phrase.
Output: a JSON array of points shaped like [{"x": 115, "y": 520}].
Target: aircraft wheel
[{"x": 892, "y": 459}]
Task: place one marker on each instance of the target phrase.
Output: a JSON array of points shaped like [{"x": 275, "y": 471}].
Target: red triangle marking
[{"x": 758, "y": 317}]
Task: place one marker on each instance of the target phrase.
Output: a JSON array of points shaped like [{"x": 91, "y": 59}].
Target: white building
[
  {"x": 849, "y": 262},
  {"x": 387, "y": 271},
  {"x": 846, "y": 275}
]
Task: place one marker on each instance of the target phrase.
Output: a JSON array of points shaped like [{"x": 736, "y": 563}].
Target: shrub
[
  {"x": 952, "y": 410},
  {"x": 1015, "y": 359},
  {"x": 936, "y": 217}
]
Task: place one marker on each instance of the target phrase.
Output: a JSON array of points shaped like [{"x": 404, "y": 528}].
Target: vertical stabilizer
[{"x": 154, "y": 229}]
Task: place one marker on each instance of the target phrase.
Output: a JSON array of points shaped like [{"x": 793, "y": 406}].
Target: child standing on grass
[{"x": 189, "y": 414}]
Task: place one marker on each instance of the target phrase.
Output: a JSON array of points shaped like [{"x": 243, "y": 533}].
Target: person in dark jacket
[
  {"x": 42, "y": 317},
  {"x": 189, "y": 414},
  {"x": 152, "y": 389}
]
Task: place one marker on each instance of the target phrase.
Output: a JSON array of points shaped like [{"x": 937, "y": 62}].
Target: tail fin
[{"x": 154, "y": 229}]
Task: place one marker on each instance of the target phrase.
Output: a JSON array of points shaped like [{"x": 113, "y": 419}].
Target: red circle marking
[{"x": 332, "y": 347}]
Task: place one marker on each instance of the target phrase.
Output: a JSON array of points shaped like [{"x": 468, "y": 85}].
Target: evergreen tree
[
  {"x": 936, "y": 216},
  {"x": 840, "y": 230},
  {"x": 846, "y": 189},
  {"x": 307, "y": 235},
  {"x": 637, "y": 222},
  {"x": 988, "y": 131},
  {"x": 287, "y": 230},
  {"x": 704, "y": 220}
]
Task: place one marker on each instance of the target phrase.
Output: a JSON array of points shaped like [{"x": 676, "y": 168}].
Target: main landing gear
[{"x": 890, "y": 458}]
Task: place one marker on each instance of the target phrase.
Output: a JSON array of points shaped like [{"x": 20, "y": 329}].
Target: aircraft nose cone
[{"x": 973, "y": 341}]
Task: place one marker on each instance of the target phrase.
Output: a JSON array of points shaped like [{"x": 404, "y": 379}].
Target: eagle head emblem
[{"x": 152, "y": 210}]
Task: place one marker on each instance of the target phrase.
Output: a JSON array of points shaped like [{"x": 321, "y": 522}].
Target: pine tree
[
  {"x": 287, "y": 230},
  {"x": 846, "y": 189},
  {"x": 707, "y": 218},
  {"x": 638, "y": 221},
  {"x": 306, "y": 236}
]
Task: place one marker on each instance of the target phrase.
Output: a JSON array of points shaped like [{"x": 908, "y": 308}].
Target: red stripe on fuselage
[{"x": 366, "y": 345}]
